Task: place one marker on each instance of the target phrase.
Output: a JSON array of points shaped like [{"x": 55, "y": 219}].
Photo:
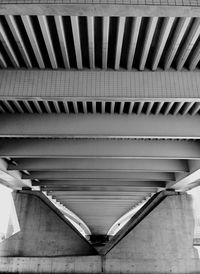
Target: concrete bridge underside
[{"x": 99, "y": 134}]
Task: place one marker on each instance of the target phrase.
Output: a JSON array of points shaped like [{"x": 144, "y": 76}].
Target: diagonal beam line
[
  {"x": 33, "y": 40},
  {"x": 59, "y": 213},
  {"x": 189, "y": 179},
  {"x": 19, "y": 39},
  {"x": 8, "y": 47},
  {"x": 136, "y": 219},
  {"x": 48, "y": 40}
]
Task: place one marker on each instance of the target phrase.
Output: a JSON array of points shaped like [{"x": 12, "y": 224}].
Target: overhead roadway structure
[
  {"x": 99, "y": 105},
  {"x": 100, "y": 35}
]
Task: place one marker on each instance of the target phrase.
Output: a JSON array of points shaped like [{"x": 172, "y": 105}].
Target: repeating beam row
[
  {"x": 130, "y": 107},
  {"x": 130, "y": 42},
  {"x": 99, "y": 126}
]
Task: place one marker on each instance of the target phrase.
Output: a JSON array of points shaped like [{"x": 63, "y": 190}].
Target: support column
[
  {"x": 161, "y": 243},
  {"x": 42, "y": 232}
]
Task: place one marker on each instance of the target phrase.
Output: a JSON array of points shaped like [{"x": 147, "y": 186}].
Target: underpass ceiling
[
  {"x": 101, "y": 176},
  {"x": 89, "y": 42}
]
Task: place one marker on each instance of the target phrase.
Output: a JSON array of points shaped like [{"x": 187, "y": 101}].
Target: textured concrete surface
[
  {"x": 161, "y": 243},
  {"x": 42, "y": 233},
  {"x": 102, "y": 7},
  {"x": 99, "y": 84},
  {"x": 79, "y": 264}
]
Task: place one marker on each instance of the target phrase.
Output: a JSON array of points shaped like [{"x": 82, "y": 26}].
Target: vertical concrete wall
[
  {"x": 42, "y": 232},
  {"x": 161, "y": 243}
]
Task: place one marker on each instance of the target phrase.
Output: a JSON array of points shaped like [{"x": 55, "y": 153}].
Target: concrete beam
[
  {"x": 62, "y": 40},
  {"x": 64, "y": 185},
  {"x": 18, "y": 38},
  {"x": 120, "y": 35},
  {"x": 95, "y": 176},
  {"x": 147, "y": 42},
  {"x": 48, "y": 40},
  {"x": 2, "y": 62},
  {"x": 189, "y": 43},
  {"x": 114, "y": 165},
  {"x": 133, "y": 42},
  {"x": 166, "y": 28},
  {"x": 175, "y": 43},
  {"x": 189, "y": 179},
  {"x": 106, "y": 8},
  {"x": 77, "y": 42},
  {"x": 99, "y": 198},
  {"x": 109, "y": 188},
  {"x": 73, "y": 148},
  {"x": 99, "y": 126},
  {"x": 12, "y": 179},
  {"x": 195, "y": 57},
  {"x": 91, "y": 41},
  {"x": 33, "y": 40},
  {"x": 100, "y": 85},
  {"x": 8, "y": 46},
  {"x": 105, "y": 36},
  {"x": 93, "y": 194}
]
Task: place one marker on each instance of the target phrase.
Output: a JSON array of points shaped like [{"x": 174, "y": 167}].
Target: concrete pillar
[
  {"x": 42, "y": 232},
  {"x": 161, "y": 243}
]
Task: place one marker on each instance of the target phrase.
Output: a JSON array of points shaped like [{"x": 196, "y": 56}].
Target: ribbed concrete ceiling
[
  {"x": 110, "y": 107},
  {"x": 110, "y": 167},
  {"x": 86, "y": 42}
]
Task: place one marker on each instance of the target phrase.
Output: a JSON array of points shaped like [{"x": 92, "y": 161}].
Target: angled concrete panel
[
  {"x": 43, "y": 232},
  {"x": 161, "y": 243}
]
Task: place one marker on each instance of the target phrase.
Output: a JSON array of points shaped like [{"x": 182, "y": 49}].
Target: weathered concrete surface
[
  {"x": 102, "y": 8},
  {"x": 81, "y": 264},
  {"x": 42, "y": 232},
  {"x": 161, "y": 243}
]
